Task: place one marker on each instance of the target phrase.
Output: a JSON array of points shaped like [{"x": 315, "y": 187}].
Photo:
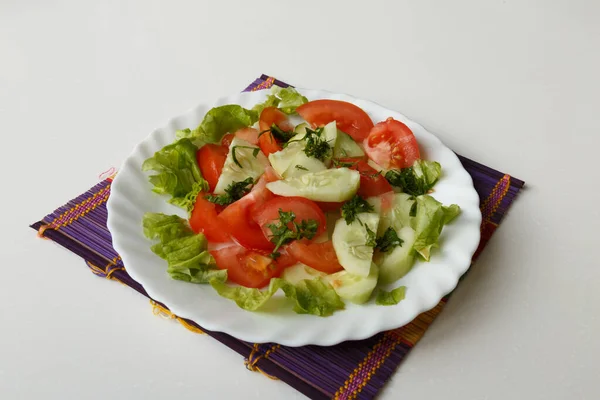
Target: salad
[{"x": 310, "y": 197}]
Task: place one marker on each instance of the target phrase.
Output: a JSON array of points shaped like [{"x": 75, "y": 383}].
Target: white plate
[{"x": 427, "y": 283}]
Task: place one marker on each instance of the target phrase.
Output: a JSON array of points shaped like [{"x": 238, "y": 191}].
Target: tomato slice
[
  {"x": 204, "y": 219},
  {"x": 250, "y": 135},
  {"x": 349, "y": 118},
  {"x": 330, "y": 206},
  {"x": 320, "y": 256},
  {"x": 392, "y": 144},
  {"x": 372, "y": 183},
  {"x": 269, "y": 116},
  {"x": 271, "y": 175},
  {"x": 226, "y": 140},
  {"x": 237, "y": 217},
  {"x": 211, "y": 158},
  {"x": 246, "y": 267},
  {"x": 302, "y": 208}
]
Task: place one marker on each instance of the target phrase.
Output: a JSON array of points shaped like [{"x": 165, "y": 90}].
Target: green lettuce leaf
[
  {"x": 314, "y": 296},
  {"x": 290, "y": 99},
  {"x": 223, "y": 119},
  {"x": 185, "y": 251},
  {"x": 178, "y": 174},
  {"x": 193, "y": 135},
  {"x": 392, "y": 297},
  {"x": 430, "y": 217},
  {"x": 287, "y": 99},
  {"x": 247, "y": 298},
  {"x": 416, "y": 180}
]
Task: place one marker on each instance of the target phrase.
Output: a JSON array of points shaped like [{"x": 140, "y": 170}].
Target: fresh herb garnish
[
  {"x": 301, "y": 167},
  {"x": 278, "y": 133},
  {"x": 316, "y": 146},
  {"x": 233, "y": 192},
  {"x": 413, "y": 210},
  {"x": 371, "y": 238},
  {"x": 344, "y": 164},
  {"x": 255, "y": 151},
  {"x": 281, "y": 233},
  {"x": 416, "y": 180},
  {"x": 389, "y": 240},
  {"x": 355, "y": 206}
]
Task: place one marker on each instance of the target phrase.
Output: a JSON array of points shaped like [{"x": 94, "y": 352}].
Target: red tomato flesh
[
  {"x": 250, "y": 135},
  {"x": 211, "y": 158},
  {"x": 237, "y": 217},
  {"x": 204, "y": 219},
  {"x": 226, "y": 140},
  {"x": 246, "y": 267},
  {"x": 269, "y": 116},
  {"x": 302, "y": 208},
  {"x": 320, "y": 256},
  {"x": 372, "y": 183},
  {"x": 392, "y": 144},
  {"x": 349, "y": 118}
]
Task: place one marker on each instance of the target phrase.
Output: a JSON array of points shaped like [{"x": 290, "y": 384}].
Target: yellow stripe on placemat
[
  {"x": 77, "y": 211},
  {"x": 265, "y": 85},
  {"x": 492, "y": 202},
  {"x": 255, "y": 356},
  {"x": 159, "y": 310}
]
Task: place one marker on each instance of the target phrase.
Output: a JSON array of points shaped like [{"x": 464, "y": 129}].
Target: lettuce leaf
[
  {"x": 287, "y": 99},
  {"x": 290, "y": 99},
  {"x": 185, "y": 251},
  {"x": 178, "y": 173},
  {"x": 220, "y": 120},
  {"x": 416, "y": 180},
  {"x": 430, "y": 217},
  {"x": 247, "y": 298},
  {"x": 314, "y": 296},
  {"x": 390, "y": 298}
]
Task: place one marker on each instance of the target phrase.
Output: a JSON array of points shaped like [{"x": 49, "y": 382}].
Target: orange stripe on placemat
[
  {"x": 265, "y": 85},
  {"x": 78, "y": 211},
  {"x": 493, "y": 201},
  {"x": 359, "y": 378},
  {"x": 409, "y": 334}
]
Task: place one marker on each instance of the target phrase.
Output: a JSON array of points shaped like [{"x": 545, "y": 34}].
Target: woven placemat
[{"x": 350, "y": 370}]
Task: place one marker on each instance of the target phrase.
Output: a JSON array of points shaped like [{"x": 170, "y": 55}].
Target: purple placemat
[{"x": 350, "y": 370}]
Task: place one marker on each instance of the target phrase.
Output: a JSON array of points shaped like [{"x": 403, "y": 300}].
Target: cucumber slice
[
  {"x": 354, "y": 288},
  {"x": 303, "y": 164},
  {"x": 281, "y": 160},
  {"x": 301, "y": 128},
  {"x": 330, "y": 132},
  {"x": 251, "y": 166},
  {"x": 398, "y": 216},
  {"x": 349, "y": 243},
  {"x": 398, "y": 262},
  {"x": 299, "y": 272},
  {"x": 345, "y": 146},
  {"x": 329, "y": 185}
]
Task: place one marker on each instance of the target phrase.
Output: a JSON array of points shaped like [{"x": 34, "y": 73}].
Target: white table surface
[{"x": 513, "y": 84}]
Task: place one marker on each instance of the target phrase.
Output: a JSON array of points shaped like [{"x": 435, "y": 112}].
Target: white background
[{"x": 513, "y": 84}]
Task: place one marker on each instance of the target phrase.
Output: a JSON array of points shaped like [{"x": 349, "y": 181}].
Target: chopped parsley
[
  {"x": 278, "y": 133},
  {"x": 233, "y": 192},
  {"x": 344, "y": 164},
  {"x": 301, "y": 167},
  {"x": 255, "y": 151},
  {"x": 355, "y": 206},
  {"x": 281, "y": 233},
  {"x": 389, "y": 240},
  {"x": 371, "y": 238},
  {"x": 408, "y": 180}
]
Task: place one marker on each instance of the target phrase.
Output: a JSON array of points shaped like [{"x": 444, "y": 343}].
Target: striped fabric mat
[{"x": 350, "y": 370}]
